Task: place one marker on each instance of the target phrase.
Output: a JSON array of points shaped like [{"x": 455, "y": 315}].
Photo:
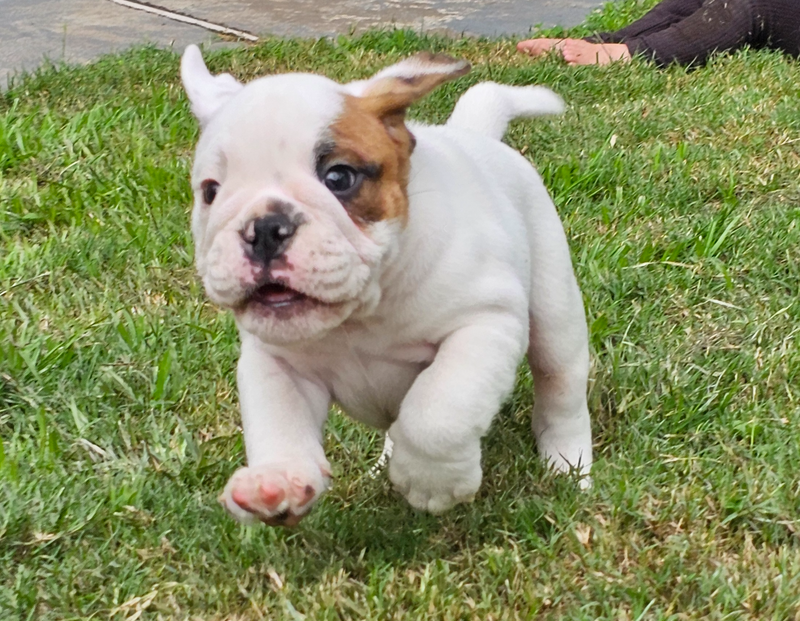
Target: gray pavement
[{"x": 76, "y": 31}]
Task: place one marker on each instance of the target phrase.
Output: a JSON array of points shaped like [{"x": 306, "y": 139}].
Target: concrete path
[
  {"x": 318, "y": 18},
  {"x": 76, "y": 31}
]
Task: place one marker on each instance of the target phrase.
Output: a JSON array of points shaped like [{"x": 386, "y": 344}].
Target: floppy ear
[
  {"x": 206, "y": 92},
  {"x": 390, "y": 91}
]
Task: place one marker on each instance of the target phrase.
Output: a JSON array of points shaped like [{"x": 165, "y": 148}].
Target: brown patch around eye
[{"x": 380, "y": 149}]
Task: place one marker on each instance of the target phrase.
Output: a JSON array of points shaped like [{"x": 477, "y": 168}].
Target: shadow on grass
[{"x": 375, "y": 527}]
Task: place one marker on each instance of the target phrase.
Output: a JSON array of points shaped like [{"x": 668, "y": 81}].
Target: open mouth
[{"x": 276, "y": 295}]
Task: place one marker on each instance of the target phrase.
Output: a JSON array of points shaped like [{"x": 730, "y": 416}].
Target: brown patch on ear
[
  {"x": 363, "y": 140},
  {"x": 395, "y": 88}
]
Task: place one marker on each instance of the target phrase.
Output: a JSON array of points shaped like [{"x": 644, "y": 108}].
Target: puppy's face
[{"x": 300, "y": 191}]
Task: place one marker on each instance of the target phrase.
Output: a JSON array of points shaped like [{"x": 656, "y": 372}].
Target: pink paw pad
[{"x": 273, "y": 496}]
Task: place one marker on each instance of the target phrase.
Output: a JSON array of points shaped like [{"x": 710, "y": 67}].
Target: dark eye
[
  {"x": 341, "y": 179},
  {"x": 209, "y": 188}
]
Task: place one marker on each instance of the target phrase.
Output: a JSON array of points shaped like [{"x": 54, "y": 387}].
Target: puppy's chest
[{"x": 370, "y": 386}]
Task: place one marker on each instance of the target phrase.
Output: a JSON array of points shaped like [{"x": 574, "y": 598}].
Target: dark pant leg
[
  {"x": 658, "y": 18},
  {"x": 780, "y": 24},
  {"x": 689, "y": 31},
  {"x": 718, "y": 25}
]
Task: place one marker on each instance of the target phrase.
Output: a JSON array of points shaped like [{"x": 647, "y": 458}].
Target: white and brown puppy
[{"x": 400, "y": 270}]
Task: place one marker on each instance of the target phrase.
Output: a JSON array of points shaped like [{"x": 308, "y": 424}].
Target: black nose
[{"x": 267, "y": 236}]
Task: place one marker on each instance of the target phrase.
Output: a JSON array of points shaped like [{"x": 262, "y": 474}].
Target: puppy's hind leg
[{"x": 558, "y": 351}]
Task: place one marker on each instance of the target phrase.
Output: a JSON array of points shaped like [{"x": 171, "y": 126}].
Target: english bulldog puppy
[{"x": 398, "y": 269}]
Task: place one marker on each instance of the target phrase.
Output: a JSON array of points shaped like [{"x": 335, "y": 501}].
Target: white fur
[
  {"x": 431, "y": 318},
  {"x": 206, "y": 92},
  {"x": 488, "y": 107}
]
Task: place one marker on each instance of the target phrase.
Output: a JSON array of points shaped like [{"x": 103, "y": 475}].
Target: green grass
[{"x": 680, "y": 192}]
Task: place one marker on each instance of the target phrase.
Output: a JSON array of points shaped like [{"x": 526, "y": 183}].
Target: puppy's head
[{"x": 300, "y": 190}]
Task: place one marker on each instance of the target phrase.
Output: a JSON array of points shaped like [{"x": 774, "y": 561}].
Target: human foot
[
  {"x": 576, "y": 51},
  {"x": 538, "y": 47},
  {"x": 580, "y": 52}
]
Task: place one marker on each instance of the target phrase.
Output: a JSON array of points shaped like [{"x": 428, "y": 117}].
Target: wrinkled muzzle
[{"x": 288, "y": 275}]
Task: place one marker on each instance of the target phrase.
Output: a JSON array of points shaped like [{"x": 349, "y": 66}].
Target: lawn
[{"x": 680, "y": 193}]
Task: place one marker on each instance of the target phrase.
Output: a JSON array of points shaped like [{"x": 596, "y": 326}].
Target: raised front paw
[
  {"x": 431, "y": 484},
  {"x": 276, "y": 494}
]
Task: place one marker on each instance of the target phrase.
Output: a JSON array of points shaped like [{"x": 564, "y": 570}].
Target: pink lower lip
[{"x": 276, "y": 295}]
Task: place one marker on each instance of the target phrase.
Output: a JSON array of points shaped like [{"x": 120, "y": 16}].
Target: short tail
[{"x": 488, "y": 107}]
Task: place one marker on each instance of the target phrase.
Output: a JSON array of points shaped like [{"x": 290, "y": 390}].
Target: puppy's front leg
[
  {"x": 436, "y": 459},
  {"x": 282, "y": 417}
]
